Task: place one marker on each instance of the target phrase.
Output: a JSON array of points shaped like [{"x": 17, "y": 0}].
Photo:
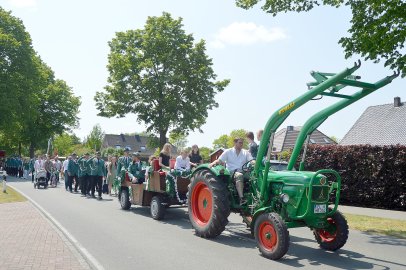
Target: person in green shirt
[
  {"x": 124, "y": 161},
  {"x": 73, "y": 169},
  {"x": 32, "y": 169},
  {"x": 97, "y": 172},
  {"x": 136, "y": 169},
  {"x": 84, "y": 174}
]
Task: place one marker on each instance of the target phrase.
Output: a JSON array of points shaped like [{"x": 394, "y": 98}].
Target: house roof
[
  {"x": 135, "y": 142},
  {"x": 379, "y": 125},
  {"x": 286, "y": 138}
]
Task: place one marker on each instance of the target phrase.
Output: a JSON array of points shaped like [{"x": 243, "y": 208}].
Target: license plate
[{"x": 320, "y": 208}]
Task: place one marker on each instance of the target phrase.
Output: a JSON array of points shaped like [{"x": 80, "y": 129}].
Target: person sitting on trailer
[
  {"x": 182, "y": 162},
  {"x": 136, "y": 170},
  {"x": 235, "y": 158}
]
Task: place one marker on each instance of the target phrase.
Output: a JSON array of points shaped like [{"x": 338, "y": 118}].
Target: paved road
[{"x": 132, "y": 240}]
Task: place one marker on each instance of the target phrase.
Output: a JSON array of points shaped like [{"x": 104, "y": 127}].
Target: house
[
  {"x": 285, "y": 139},
  {"x": 379, "y": 125},
  {"x": 216, "y": 154},
  {"x": 136, "y": 143}
]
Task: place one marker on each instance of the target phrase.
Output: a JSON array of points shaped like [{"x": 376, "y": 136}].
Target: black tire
[
  {"x": 337, "y": 239},
  {"x": 208, "y": 204},
  {"x": 271, "y": 235},
  {"x": 125, "y": 199},
  {"x": 157, "y": 208}
]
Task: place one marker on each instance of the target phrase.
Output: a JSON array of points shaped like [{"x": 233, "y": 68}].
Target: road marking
[{"x": 92, "y": 260}]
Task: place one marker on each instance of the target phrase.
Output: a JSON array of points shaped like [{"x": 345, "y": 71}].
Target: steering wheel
[{"x": 248, "y": 166}]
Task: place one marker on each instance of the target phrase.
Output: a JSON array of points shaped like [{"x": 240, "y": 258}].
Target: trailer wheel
[
  {"x": 208, "y": 204},
  {"x": 337, "y": 234},
  {"x": 125, "y": 199},
  {"x": 271, "y": 235},
  {"x": 157, "y": 208}
]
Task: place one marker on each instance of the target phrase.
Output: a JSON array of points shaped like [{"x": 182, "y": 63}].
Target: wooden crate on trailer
[
  {"x": 157, "y": 182},
  {"x": 140, "y": 195}
]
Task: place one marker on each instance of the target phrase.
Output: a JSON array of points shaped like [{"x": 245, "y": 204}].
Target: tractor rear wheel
[
  {"x": 208, "y": 204},
  {"x": 272, "y": 236},
  {"x": 125, "y": 199},
  {"x": 337, "y": 234}
]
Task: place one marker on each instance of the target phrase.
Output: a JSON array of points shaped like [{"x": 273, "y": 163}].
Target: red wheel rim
[
  {"x": 267, "y": 235},
  {"x": 325, "y": 235},
  {"x": 202, "y": 202}
]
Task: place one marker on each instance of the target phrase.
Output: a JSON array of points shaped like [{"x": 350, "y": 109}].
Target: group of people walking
[{"x": 90, "y": 174}]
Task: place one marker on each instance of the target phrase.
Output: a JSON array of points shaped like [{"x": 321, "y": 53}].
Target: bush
[{"x": 372, "y": 176}]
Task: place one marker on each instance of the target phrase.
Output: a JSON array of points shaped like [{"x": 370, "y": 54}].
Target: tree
[
  {"x": 178, "y": 140},
  {"x": 221, "y": 142},
  {"x": 95, "y": 138},
  {"x": 227, "y": 141},
  {"x": 205, "y": 153},
  {"x": 159, "y": 74},
  {"x": 335, "y": 139},
  {"x": 17, "y": 70},
  {"x": 65, "y": 143},
  {"x": 377, "y": 32},
  {"x": 35, "y": 106}
]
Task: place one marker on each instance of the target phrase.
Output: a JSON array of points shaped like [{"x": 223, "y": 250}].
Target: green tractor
[{"x": 278, "y": 200}]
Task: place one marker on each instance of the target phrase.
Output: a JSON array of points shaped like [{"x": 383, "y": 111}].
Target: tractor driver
[{"x": 234, "y": 158}]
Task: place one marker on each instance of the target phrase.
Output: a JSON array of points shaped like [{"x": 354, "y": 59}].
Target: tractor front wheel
[
  {"x": 335, "y": 236},
  {"x": 125, "y": 199},
  {"x": 208, "y": 204},
  {"x": 271, "y": 235}
]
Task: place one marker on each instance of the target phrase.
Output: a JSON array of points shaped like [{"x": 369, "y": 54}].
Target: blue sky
[{"x": 268, "y": 59}]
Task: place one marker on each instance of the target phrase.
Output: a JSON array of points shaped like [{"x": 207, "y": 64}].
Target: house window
[
  {"x": 118, "y": 146},
  {"x": 143, "y": 148},
  {"x": 326, "y": 140},
  {"x": 312, "y": 141},
  {"x": 129, "y": 147}
]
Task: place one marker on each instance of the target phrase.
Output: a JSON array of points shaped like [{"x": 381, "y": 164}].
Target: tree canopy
[
  {"x": 377, "y": 32},
  {"x": 162, "y": 76},
  {"x": 95, "y": 139},
  {"x": 227, "y": 141},
  {"x": 35, "y": 105}
]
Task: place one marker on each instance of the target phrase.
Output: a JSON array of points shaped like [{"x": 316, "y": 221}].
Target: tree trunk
[
  {"x": 162, "y": 138},
  {"x": 32, "y": 149}
]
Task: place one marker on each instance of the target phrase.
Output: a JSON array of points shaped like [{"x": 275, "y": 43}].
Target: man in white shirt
[
  {"x": 58, "y": 167},
  {"x": 39, "y": 164},
  {"x": 65, "y": 170},
  {"x": 234, "y": 158},
  {"x": 182, "y": 162}
]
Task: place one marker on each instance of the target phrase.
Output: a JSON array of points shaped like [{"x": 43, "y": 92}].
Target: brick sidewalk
[{"x": 29, "y": 241}]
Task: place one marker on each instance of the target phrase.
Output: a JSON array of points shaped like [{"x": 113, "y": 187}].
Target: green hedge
[{"x": 372, "y": 176}]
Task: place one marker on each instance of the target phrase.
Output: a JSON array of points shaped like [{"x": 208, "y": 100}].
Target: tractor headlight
[{"x": 284, "y": 198}]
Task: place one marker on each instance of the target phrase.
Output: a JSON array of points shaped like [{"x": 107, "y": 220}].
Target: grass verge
[
  {"x": 11, "y": 196},
  {"x": 391, "y": 227}
]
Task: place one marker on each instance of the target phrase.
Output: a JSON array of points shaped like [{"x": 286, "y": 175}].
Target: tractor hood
[{"x": 291, "y": 177}]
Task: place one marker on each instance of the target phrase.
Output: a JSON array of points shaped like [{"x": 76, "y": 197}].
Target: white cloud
[
  {"x": 246, "y": 33},
  {"x": 23, "y": 3}
]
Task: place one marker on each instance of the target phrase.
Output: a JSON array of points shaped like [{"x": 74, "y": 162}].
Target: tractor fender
[
  {"x": 257, "y": 213},
  {"x": 218, "y": 170}
]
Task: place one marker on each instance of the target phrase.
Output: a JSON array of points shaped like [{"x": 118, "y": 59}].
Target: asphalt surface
[{"x": 133, "y": 240}]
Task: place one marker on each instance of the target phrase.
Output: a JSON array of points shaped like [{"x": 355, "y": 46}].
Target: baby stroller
[{"x": 41, "y": 179}]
